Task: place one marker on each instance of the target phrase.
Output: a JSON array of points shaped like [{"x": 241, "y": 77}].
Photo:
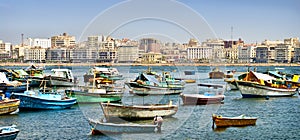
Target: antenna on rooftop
[{"x": 22, "y": 40}]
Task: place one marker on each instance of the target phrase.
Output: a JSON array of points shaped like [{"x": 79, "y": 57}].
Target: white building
[
  {"x": 35, "y": 54},
  {"x": 246, "y": 54},
  {"x": 199, "y": 53},
  {"x": 38, "y": 42}
]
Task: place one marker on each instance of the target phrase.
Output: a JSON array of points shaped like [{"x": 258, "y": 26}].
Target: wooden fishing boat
[
  {"x": 241, "y": 120},
  {"x": 44, "y": 99},
  {"x": 95, "y": 96},
  {"x": 256, "y": 84},
  {"x": 99, "y": 127},
  {"x": 157, "y": 82},
  {"x": 209, "y": 94},
  {"x": 61, "y": 78},
  {"x": 36, "y": 75},
  {"x": 116, "y": 112},
  {"x": 216, "y": 74},
  {"x": 231, "y": 84},
  {"x": 102, "y": 75},
  {"x": 9, "y": 105},
  {"x": 8, "y": 132}
]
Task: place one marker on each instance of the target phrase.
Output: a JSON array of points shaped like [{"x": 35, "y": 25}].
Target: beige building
[
  {"x": 63, "y": 41},
  {"x": 151, "y": 58},
  {"x": 283, "y": 53},
  {"x": 35, "y": 54}
]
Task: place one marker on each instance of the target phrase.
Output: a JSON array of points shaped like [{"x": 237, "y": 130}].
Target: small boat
[
  {"x": 150, "y": 81},
  {"x": 61, "y": 78},
  {"x": 229, "y": 74},
  {"x": 189, "y": 72},
  {"x": 102, "y": 75},
  {"x": 45, "y": 98},
  {"x": 95, "y": 96},
  {"x": 8, "y": 87},
  {"x": 8, "y": 106},
  {"x": 117, "y": 112},
  {"x": 209, "y": 94},
  {"x": 256, "y": 84},
  {"x": 35, "y": 75},
  {"x": 99, "y": 127},
  {"x": 241, "y": 120},
  {"x": 8, "y": 132},
  {"x": 216, "y": 73}
]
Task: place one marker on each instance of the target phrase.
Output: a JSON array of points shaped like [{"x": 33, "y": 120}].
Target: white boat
[
  {"x": 99, "y": 127},
  {"x": 8, "y": 132},
  {"x": 116, "y": 112},
  {"x": 60, "y": 77}
]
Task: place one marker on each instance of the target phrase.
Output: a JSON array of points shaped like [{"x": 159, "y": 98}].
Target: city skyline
[{"x": 253, "y": 21}]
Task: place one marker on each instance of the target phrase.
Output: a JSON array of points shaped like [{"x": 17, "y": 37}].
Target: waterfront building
[
  {"x": 128, "y": 54},
  {"x": 231, "y": 50},
  {"x": 34, "y": 54},
  {"x": 199, "y": 54},
  {"x": 58, "y": 54},
  {"x": 83, "y": 55},
  {"x": 5, "y": 50},
  {"x": 63, "y": 40},
  {"x": 246, "y": 53},
  {"x": 151, "y": 58},
  {"x": 283, "y": 53},
  {"x": 265, "y": 54},
  {"x": 38, "y": 42},
  {"x": 297, "y": 54}
]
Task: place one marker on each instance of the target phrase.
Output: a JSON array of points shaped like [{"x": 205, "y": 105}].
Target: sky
[{"x": 167, "y": 20}]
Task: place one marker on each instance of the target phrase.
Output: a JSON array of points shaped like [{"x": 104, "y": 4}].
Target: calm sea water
[{"x": 278, "y": 117}]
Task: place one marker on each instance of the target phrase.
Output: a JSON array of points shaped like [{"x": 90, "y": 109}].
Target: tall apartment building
[
  {"x": 108, "y": 51},
  {"x": 34, "y": 54},
  {"x": 63, "y": 40},
  {"x": 297, "y": 54},
  {"x": 150, "y": 45},
  {"x": 265, "y": 54},
  {"x": 38, "y": 42},
  {"x": 283, "y": 53},
  {"x": 93, "y": 41},
  {"x": 128, "y": 54}
]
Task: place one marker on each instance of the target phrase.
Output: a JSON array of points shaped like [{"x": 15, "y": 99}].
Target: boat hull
[
  {"x": 170, "y": 87},
  {"x": 83, "y": 97},
  {"x": 34, "y": 102},
  {"x": 234, "y": 121},
  {"x": 145, "y": 92},
  {"x": 104, "y": 128},
  {"x": 9, "y": 106},
  {"x": 136, "y": 112},
  {"x": 253, "y": 90},
  {"x": 197, "y": 99},
  {"x": 216, "y": 75}
]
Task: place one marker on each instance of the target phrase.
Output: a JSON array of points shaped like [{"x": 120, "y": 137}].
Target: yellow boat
[
  {"x": 241, "y": 120},
  {"x": 9, "y": 105}
]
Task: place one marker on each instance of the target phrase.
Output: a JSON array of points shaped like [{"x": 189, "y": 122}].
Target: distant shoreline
[{"x": 137, "y": 64}]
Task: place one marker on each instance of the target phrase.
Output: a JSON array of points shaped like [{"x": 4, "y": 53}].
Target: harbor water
[{"x": 278, "y": 118}]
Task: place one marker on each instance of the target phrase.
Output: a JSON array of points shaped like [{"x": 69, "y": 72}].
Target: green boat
[{"x": 94, "y": 97}]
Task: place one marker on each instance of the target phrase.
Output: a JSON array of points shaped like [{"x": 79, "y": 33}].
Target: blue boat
[
  {"x": 8, "y": 87},
  {"x": 44, "y": 99},
  {"x": 8, "y": 132}
]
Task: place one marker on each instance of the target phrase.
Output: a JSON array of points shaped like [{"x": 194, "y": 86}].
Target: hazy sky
[{"x": 176, "y": 21}]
